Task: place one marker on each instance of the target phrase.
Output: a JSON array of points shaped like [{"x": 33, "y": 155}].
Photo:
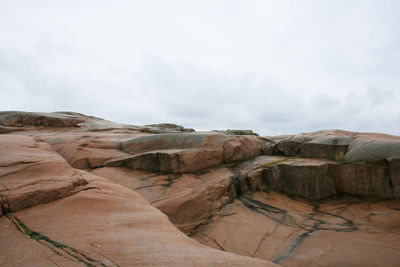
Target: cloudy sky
[{"x": 271, "y": 66}]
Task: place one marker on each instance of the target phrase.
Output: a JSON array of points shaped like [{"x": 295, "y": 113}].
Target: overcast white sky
[{"x": 270, "y": 66}]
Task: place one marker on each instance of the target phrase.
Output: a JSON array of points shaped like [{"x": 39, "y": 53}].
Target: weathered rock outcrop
[
  {"x": 237, "y": 132},
  {"x": 9, "y": 119},
  {"x": 346, "y": 231},
  {"x": 185, "y": 152},
  {"x": 80, "y": 190},
  {"x": 373, "y": 147},
  {"x": 308, "y": 179},
  {"x": 55, "y": 214},
  {"x": 395, "y": 175},
  {"x": 339, "y": 145},
  {"x": 55, "y": 119},
  {"x": 188, "y": 199},
  {"x": 317, "y": 179}
]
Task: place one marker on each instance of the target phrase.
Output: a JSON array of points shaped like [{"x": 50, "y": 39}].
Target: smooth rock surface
[
  {"x": 293, "y": 232},
  {"x": 79, "y": 190}
]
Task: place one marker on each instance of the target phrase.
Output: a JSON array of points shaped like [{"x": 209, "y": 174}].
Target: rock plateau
[{"x": 78, "y": 190}]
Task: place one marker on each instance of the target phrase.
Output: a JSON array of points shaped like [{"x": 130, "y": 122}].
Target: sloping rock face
[
  {"x": 79, "y": 190},
  {"x": 55, "y": 214}
]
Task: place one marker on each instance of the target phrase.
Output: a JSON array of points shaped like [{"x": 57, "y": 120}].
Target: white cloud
[{"x": 271, "y": 66}]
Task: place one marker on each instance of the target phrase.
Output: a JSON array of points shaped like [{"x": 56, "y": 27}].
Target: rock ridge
[{"x": 286, "y": 194}]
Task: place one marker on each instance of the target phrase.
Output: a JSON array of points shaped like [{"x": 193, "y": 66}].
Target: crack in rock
[
  {"x": 55, "y": 246},
  {"x": 283, "y": 217}
]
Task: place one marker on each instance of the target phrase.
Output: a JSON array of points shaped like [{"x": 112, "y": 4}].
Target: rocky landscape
[{"x": 79, "y": 190}]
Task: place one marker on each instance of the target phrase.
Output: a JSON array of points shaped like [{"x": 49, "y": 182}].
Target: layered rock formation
[{"x": 79, "y": 190}]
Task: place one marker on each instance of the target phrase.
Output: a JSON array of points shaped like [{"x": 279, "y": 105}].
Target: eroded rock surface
[
  {"x": 80, "y": 190},
  {"x": 339, "y": 145},
  {"x": 345, "y": 231}
]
